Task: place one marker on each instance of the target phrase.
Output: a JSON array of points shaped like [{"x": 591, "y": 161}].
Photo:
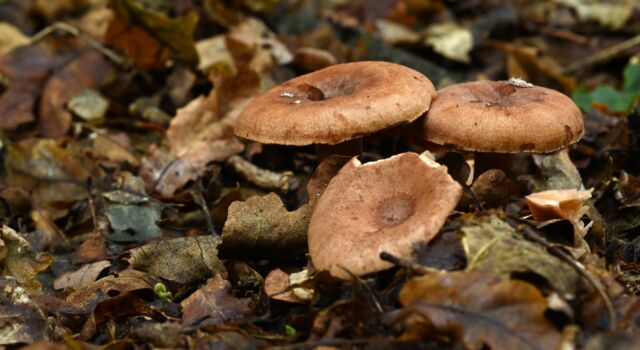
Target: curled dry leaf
[
  {"x": 451, "y": 41},
  {"x": 561, "y": 204},
  {"x": 252, "y": 33},
  {"x": 21, "y": 321},
  {"x": 21, "y": 262},
  {"x": 81, "y": 277},
  {"x": 182, "y": 260},
  {"x": 114, "y": 148},
  {"x": 264, "y": 225},
  {"x": 492, "y": 245},
  {"x": 212, "y": 305},
  {"x": 479, "y": 310}
]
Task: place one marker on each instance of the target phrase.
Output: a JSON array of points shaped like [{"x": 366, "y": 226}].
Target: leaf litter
[{"x": 121, "y": 167}]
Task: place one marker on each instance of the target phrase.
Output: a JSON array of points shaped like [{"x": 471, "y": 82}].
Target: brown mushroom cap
[
  {"x": 386, "y": 205},
  {"x": 337, "y": 103},
  {"x": 496, "y": 116}
]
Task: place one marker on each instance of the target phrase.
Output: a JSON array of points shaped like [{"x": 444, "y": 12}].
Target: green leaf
[
  {"x": 632, "y": 78},
  {"x": 616, "y": 101},
  {"x": 582, "y": 98}
]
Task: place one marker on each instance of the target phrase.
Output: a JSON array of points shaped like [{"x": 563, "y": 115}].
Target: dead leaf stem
[{"x": 602, "y": 56}]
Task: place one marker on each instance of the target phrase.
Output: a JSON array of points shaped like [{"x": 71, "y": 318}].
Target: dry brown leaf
[
  {"x": 477, "y": 309},
  {"x": 55, "y": 175},
  {"x": 81, "y": 277},
  {"x": 11, "y": 37},
  {"x": 26, "y": 68},
  {"x": 182, "y": 260},
  {"x": 283, "y": 286},
  {"x": 21, "y": 262},
  {"x": 114, "y": 147},
  {"x": 21, "y": 321},
  {"x": 253, "y": 34},
  {"x": 265, "y": 226},
  {"x": 213, "y": 304},
  {"x": 89, "y": 70},
  {"x": 87, "y": 298}
]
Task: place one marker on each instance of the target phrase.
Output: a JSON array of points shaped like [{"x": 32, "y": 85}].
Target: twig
[
  {"x": 92, "y": 207},
  {"x": 200, "y": 200},
  {"x": 359, "y": 280},
  {"x": 602, "y": 56},
  {"x": 531, "y": 233},
  {"x": 409, "y": 265},
  {"x": 283, "y": 182},
  {"x": 68, "y": 28}
]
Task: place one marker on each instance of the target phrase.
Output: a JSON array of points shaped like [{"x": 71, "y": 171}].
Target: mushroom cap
[
  {"x": 337, "y": 103},
  {"x": 497, "y": 116},
  {"x": 375, "y": 207}
]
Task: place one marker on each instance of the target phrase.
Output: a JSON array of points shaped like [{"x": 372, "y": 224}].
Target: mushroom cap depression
[
  {"x": 498, "y": 116},
  {"x": 336, "y": 104},
  {"x": 383, "y": 206}
]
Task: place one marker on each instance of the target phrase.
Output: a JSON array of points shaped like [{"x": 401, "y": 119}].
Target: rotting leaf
[
  {"x": 21, "y": 321},
  {"x": 612, "y": 14},
  {"x": 114, "y": 148},
  {"x": 89, "y": 105},
  {"x": 182, "y": 260},
  {"x": 213, "y": 305},
  {"x": 151, "y": 38},
  {"x": 479, "y": 310},
  {"x": 21, "y": 262},
  {"x": 134, "y": 223},
  {"x": 253, "y": 34},
  {"x": 89, "y": 70},
  {"x": 492, "y": 245}
]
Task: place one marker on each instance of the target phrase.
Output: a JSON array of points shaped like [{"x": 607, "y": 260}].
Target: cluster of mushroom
[{"x": 393, "y": 204}]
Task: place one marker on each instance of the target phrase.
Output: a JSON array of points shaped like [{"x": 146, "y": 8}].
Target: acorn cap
[
  {"x": 373, "y": 208},
  {"x": 336, "y": 104},
  {"x": 500, "y": 116}
]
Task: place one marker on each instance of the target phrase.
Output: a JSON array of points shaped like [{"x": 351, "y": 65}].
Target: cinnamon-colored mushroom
[
  {"x": 337, "y": 104},
  {"x": 384, "y": 206}
]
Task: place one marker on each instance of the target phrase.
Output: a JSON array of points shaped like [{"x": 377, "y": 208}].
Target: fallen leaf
[
  {"x": 450, "y": 40},
  {"x": 213, "y": 305},
  {"x": 114, "y": 148},
  {"x": 612, "y": 14},
  {"x": 492, "y": 245},
  {"x": 89, "y": 105},
  {"x": 262, "y": 223},
  {"x": 150, "y": 38},
  {"x": 89, "y": 70},
  {"x": 183, "y": 260},
  {"x": 213, "y": 51},
  {"x": 134, "y": 223},
  {"x": 26, "y": 68},
  {"x": 395, "y": 34},
  {"x": 21, "y": 262},
  {"x": 81, "y": 277},
  {"x": 477, "y": 309},
  {"x": 283, "y": 286},
  {"x": 21, "y": 321},
  {"x": 253, "y": 34},
  {"x": 11, "y": 37},
  {"x": 86, "y": 299}
]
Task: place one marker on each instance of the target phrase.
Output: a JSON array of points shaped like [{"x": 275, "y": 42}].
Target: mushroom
[
  {"x": 503, "y": 117},
  {"x": 383, "y": 206},
  {"x": 336, "y": 106}
]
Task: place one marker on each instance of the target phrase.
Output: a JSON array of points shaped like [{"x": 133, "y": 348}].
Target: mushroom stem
[{"x": 347, "y": 148}]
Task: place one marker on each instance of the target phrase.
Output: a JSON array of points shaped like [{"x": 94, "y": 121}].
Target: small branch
[
  {"x": 283, "y": 182},
  {"x": 201, "y": 201},
  {"x": 67, "y": 28},
  {"x": 409, "y": 265},
  {"x": 602, "y": 56}
]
